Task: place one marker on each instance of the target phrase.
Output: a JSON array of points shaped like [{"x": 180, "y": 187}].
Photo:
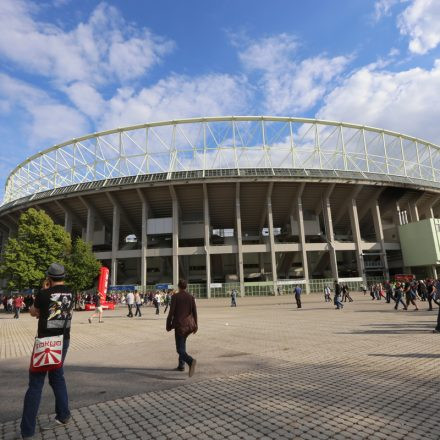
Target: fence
[{"x": 265, "y": 288}]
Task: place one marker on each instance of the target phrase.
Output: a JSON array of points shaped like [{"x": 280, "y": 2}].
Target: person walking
[
  {"x": 167, "y": 301},
  {"x": 156, "y": 302},
  {"x": 337, "y": 298},
  {"x": 234, "y": 298},
  {"x": 138, "y": 304},
  {"x": 98, "y": 308},
  {"x": 327, "y": 294},
  {"x": 430, "y": 293},
  {"x": 346, "y": 294},
  {"x": 389, "y": 291},
  {"x": 53, "y": 309},
  {"x": 18, "y": 305},
  {"x": 298, "y": 292},
  {"x": 364, "y": 289},
  {"x": 436, "y": 299},
  {"x": 129, "y": 299},
  {"x": 398, "y": 293},
  {"x": 182, "y": 317},
  {"x": 411, "y": 295}
]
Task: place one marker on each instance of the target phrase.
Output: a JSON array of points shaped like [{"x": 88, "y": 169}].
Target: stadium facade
[{"x": 253, "y": 202}]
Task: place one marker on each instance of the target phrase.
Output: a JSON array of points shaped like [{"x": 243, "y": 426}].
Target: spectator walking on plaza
[
  {"x": 167, "y": 301},
  {"x": 411, "y": 295},
  {"x": 327, "y": 294},
  {"x": 431, "y": 292},
  {"x": 18, "y": 305},
  {"x": 298, "y": 292},
  {"x": 98, "y": 308},
  {"x": 234, "y": 298},
  {"x": 53, "y": 307},
  {"x": 389, "y": 291},
  {"x": 364, "y": 289},
  {"x": 398, "y": 293},
  {"x": 156, "y": 302},
  {"x": 182, "y": 317},
  {"x": 138, "y": 304},
  {"x": 346, "y": 294},
  {"x": 129, "y": 299},
  {"x": 337, "y": 298},
  {"x": 436, "y": 299},
  {"x": 9, "y": 304}
]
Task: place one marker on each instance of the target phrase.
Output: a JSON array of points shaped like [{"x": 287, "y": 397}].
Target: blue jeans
[
  {"x": 184, "y": 357},
  {"x": 33, "y": 396}
]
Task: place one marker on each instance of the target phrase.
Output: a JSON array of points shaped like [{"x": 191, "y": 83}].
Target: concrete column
[
  {"x": 302, "y": 240},
  {"x": 175, "y": 237},
  {"x": 115, "y": 243},
  {"x": 413, "y": 211},
  {"x": 144, "y": 243},
  {"x": 434, "y": 271},
  {"x": 114, "y": 272},
  {"x": 375, "y": 211},
  {"x": 330, "y": 237},
  {"x": 68, "y": 222},
  {"x": 207, "y": 234},
  {"x": 356, "y": 231},
  {"x": 239, "y": 239},
  {"x": 273, "y": 259},
  {"x": 90, "y": 228}
]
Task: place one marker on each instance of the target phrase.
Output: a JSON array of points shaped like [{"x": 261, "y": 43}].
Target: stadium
[{"x": 255, "y": 203}]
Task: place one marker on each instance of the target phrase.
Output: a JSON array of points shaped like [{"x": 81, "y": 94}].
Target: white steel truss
[{"x": 233, "y": 142}]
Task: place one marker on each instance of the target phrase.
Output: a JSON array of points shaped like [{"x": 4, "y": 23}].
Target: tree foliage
[
  {"x": 40, "y": 242},
  {"x": 81, "y": 265}
]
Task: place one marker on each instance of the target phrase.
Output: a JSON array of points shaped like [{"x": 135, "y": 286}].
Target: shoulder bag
[{"x": 47, "y": 353}]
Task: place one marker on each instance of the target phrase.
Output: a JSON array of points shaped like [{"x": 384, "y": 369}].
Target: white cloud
[
  {"x": 45, "y": 120},
  {"x": 269, "y": 54},
  {"x": 383, "y": 8},
  {"x": 105, "y": 48},
  {"x": 401, "y": 101},
  {"x": 86, "y": 98},
  {"x": 177, "y": 97},
  {"x": 421, "y": 22},
  {"x": 289, "y": 84}
]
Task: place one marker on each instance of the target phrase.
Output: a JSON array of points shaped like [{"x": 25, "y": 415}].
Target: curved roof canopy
[{"x": 227, "y": 143}]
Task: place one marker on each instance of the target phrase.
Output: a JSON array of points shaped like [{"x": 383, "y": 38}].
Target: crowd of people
[
  {"x": 407, "y": 293},
  {"x": 16, "y": 303},
  {"x": 399, "y": 293}
]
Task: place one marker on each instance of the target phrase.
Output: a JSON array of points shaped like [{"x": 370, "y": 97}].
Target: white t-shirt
[{"x": 130, "y": 298}]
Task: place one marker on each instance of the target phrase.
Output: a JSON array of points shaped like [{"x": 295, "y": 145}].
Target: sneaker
[
  {"x": 90, "y": 320},
  {"x": 179, "y": 369},
  {"x": 192, "y": 368},
  {"x": 56, "y": 424}
]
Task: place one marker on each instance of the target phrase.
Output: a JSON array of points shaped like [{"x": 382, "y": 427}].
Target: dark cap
[{"x": 56, "y": 271}]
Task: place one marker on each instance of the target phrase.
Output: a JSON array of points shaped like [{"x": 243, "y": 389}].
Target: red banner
[
  {"x": 404, "y": 277},
  {"x": 103, "y": 282}
]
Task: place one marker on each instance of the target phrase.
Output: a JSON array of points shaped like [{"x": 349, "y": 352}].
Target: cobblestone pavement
[{"x": 265, "y": 370}]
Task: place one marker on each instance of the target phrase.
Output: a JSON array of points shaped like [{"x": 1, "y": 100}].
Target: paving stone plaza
[{"x": 266, "y": 370}]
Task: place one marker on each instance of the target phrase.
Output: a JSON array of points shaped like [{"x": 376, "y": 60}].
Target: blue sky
[{"x": 68, "y": 67}]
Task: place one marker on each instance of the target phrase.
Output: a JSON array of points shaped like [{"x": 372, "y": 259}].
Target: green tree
[
  {"x": 39, "y": 243},
  {"x": 82, "y": 266}
]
